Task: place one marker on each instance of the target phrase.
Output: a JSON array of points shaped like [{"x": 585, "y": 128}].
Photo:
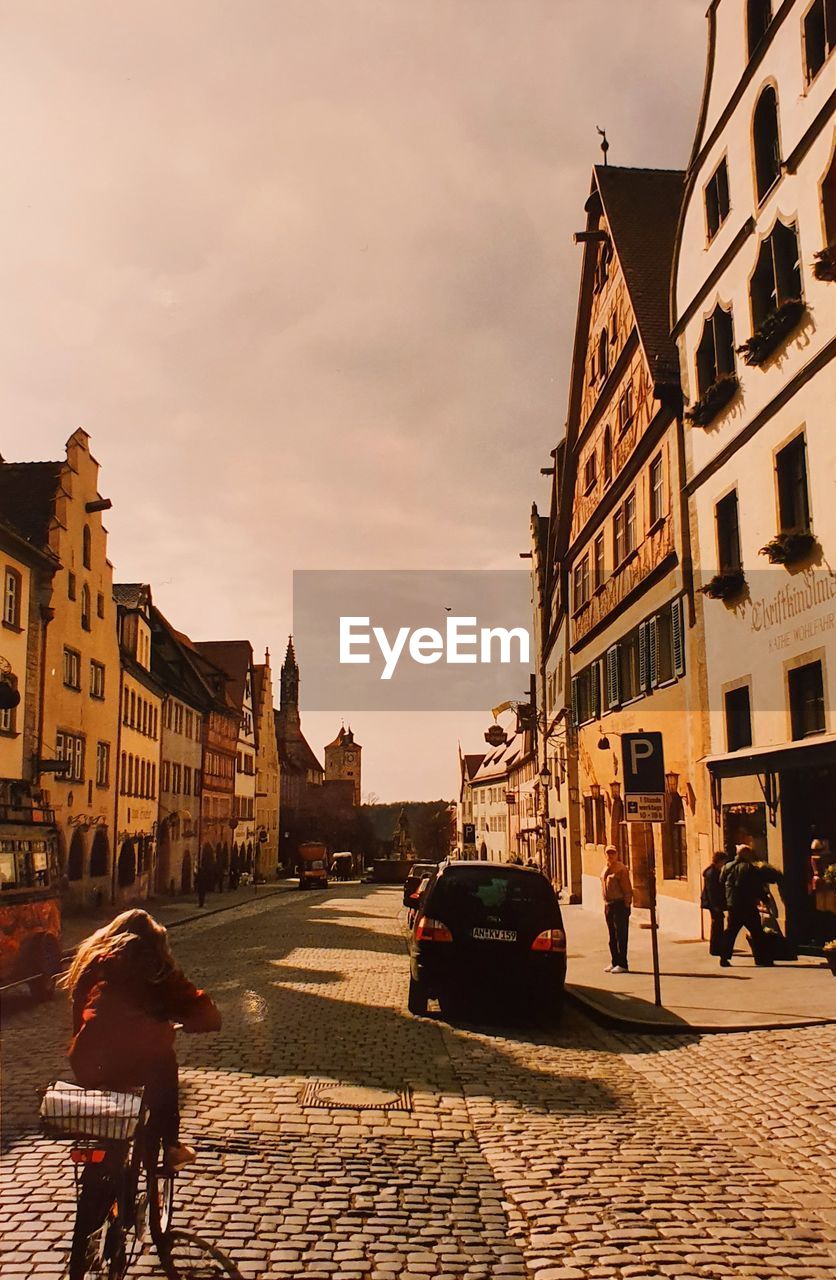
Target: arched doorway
[
  {"x": 250, "y": 857},
  {"x": 208, "y": 865},
  {"x": 126, "y": 867},
  {"x": 186, "y": 873},
  {"x": 483, "y": 851},
  {"x": 75, "y": 862},
  {"x": 164, "y": 840},
  {"x": 61, "y": 853},
  {"x": 100, "y": 854}
]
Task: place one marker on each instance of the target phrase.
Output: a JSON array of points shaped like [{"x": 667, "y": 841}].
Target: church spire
[{"x": 289, "y": 687}]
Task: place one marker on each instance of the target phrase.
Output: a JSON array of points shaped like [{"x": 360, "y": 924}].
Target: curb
[{"x": 605, "y": 1017}]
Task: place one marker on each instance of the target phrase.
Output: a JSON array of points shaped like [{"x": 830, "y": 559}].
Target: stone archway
[
  {"x": 100, "y": 854},
  {"x": 126, "y": 867},
  {"x": 75, "y": 861},
  {"x": 186, "y": 873}
]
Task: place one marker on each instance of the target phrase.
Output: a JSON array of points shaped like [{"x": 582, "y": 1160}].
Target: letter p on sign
[{"x": 643, "y": 762}]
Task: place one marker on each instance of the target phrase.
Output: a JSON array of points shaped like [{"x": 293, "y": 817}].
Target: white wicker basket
[{"x": 69, "y": 1111}]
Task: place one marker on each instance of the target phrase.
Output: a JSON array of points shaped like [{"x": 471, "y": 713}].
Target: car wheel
[{"x": 417, "y": 999}]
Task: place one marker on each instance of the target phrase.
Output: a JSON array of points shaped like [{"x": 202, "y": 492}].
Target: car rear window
[{"x": 474, "y": 896}]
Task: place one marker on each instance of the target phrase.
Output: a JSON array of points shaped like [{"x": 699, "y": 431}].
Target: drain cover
[{"x": 355, "y": 1097}]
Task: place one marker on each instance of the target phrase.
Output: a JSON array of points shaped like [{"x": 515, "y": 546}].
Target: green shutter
[
  {"x": 653, "y": 652},
  {"x": 575, "y": 701},
  {"x": 595, "y": 690},
  {"x": 678, "y": 630},
  {"x": 612, "y": 676},
  {"x": 643, "y": 664}
]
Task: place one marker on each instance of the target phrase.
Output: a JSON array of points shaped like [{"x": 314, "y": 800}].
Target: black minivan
[{"x": 487, "y": 929}]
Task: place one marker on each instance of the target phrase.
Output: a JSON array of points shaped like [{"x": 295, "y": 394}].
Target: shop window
[
  {"x": 598, "y": 569},
  {"x": 100, "y": 855},
  {"x": 717, "y": 202},
  {"x": 758, "y": 21},
  {"x": 580, "y": 585},
  {"x": 793, "y": 499},
  {"x": 777, "y": 277},
  {"x": 11, "y": 598},
  {"x": 75, "y": 861},
  {"x": 819, "y": 36},
  {"x": 657, "y": 490},
  {"x": 727, "y": 519},
  {"x": 126, "y": 867},
  {"x": 766, "y": 142},
  {"x": 86, "y": 556},
  {"x": 715, "y": 354},
  {"x": 606, "y": 456},
  {"x": 738, "y": 707},
  {"x": 806, "y": 687}
]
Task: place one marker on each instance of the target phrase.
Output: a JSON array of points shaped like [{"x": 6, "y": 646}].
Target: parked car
[
  {"x": 420, "y": 871},
  {"x": 488, "y": 929}
]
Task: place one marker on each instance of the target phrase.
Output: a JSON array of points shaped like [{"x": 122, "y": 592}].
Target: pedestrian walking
[
  {"x": 200, "y": 884},
  {"x": 743, "y": 889},
  {"x": 714, "y": 901},
  {"x": 617, "y": 890}
]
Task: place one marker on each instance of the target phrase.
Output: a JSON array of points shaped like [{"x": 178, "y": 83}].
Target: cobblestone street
[{"x": 508, "y": 1153}]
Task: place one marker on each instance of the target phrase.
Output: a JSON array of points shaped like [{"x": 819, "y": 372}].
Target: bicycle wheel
[
  {"x": 160, "y": 1188},
  {"x": 187, "y": 1257},
  {"x": 98, "y": 1250}
]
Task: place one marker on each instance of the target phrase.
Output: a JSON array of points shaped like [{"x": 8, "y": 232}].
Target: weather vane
[{"x": 605, "y": 146}]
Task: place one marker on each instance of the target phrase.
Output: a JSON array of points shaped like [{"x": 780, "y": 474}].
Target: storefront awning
[{"x": 805, "y": 754}]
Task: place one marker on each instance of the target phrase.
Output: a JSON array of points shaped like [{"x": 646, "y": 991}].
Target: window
[
  {"x": 828, "y": 199},
  {"x": 86, "y": 557},
  {"x": 806, "y": 700},
  {"x": 102, "y": 764},
  {"x": 132, "y": 709},
  {"x": 187, "y": 780},
  {"x": 629, "y": 681},
  {"x": 598, "y": 570},
  {"x": 196, "y": 786},
  {"x": 165, "y": 775},
  {"x": 766, "y": 142},
  {"x": 581, "y": 583},
  {"x": 97, "y": 679},
  {"x": 717, "y": 203},
  {"x": 657, "y": 490},
  {"x": 777, "y": 277},
  {"x": 624, "y": 530},
  {"x": 586, "y": 694},
  {"x": 71, "y": 591},
  {"x": 819, "y": 36},
  {"x": 178, "y": 717},
  {"x": 715, "y": 354},
  {"x": 727, "y": 519},
  {"x": 85, "y": 607},
  {"x": 793, "y": 500},
  {"x": 602, "y": 265},
  {"x": 625, "y": 408},
  {"x": 189, "y": 724},
  {"x": 8, "y": 715},
  {"x": 69, "y": 747},
  {"x": 603, "y": 354},
  {"x": 758, "y": 19},
  {"x": 175, "y": 779},
  {"x": 606, "y": 456},
  {"x": 590, "y": 472},
  {"x": 99, "y": 605},
  {"x": 11, "y": 598},
  {"x": 738, "y": 718},
  {"x": 72, "y": 668}
]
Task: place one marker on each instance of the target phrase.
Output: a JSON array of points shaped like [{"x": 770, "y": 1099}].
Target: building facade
[
  {"x": 267, "y": 772},
  {"x": 58, "y": 508},
  {"x": 343, "y": 762},
  {"x": 301, "y": 776},
  {"x": 754, "y": 313}
]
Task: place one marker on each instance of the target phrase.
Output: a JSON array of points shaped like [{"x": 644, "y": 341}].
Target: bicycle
[{"x": 112, "y": 1149}]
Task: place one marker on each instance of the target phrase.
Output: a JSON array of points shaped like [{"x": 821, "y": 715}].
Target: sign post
[{"x": 643, "y": 763}]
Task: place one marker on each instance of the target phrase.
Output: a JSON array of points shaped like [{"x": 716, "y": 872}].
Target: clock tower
[{"x": 342, "y": 761}]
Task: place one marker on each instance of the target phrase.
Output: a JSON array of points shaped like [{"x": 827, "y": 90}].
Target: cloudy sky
[{"x": 304, "y": 270}]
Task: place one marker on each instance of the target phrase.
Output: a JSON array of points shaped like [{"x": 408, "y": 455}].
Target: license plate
[{"x": 494, "y": 935}]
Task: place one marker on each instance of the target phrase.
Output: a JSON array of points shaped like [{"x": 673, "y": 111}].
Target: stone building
[
  {"x": 623, "y": 544},
  {"x": 186, "y": 709},
  {"x": 301, "y": 776},
  {"x": 343, "y": 761},
  {"x": 491, "y": 793},
  {"x": 138, "y": 746},
  {"x": 58, "y": 509},
  {"x": 267, "y": 771},
  {"x": 753, "y": 305},
  {"x": 235, "y": 659}
]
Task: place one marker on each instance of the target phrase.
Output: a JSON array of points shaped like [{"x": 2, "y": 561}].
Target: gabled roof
[
  {"x": 27, "y": 497},
  {"x": 642, "y": 209},
  {"x": 234, "y": 658},
  {"x": 471, "y": 763},
  {"x": 295, "y": 752}
]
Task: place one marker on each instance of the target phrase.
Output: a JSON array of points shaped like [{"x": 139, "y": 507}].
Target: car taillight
[
  {"x": 550, "y": 940},
  {"x": 87, "y": 1156},
  {"x": 429, "y": 930}
]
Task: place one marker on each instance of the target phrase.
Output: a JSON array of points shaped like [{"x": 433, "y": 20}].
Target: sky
[{"x": 304, "y": 271}]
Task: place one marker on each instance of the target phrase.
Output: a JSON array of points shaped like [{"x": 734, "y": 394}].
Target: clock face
[{"x": 349, "y": 756}]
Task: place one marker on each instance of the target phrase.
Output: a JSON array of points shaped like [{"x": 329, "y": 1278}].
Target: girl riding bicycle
[{"x": 126, "y": 993}]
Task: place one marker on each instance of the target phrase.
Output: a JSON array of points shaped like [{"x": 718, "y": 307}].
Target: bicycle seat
[{"x": 69, "y": 1111}]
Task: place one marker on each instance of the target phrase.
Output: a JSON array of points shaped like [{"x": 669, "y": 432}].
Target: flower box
[
  {"x": 725, "y": 586},
  {"x": 787, "y": 547},
  {"x": 717, "y": 396},
  {"x": 824, "y": 264},
  {"x": 772, "y": 332}
]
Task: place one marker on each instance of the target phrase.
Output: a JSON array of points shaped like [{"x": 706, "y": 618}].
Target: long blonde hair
[{"x": 112, "y": 939}]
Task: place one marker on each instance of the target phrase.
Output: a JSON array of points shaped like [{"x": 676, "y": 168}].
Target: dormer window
[
  {"x": 758, "y": 22},
  {"x": 766, "y": 142},
  {"x": 819, "y": 36},
  {"x": 717, "y": 202}
]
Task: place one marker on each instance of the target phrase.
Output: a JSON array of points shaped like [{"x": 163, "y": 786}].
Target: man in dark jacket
[
  {"x": 743, "y": 887},
  {"x": 714, "y": 901}
]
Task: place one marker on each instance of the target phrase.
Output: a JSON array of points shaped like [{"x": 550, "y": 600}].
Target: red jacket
[{"x": 123, "y": 1010}]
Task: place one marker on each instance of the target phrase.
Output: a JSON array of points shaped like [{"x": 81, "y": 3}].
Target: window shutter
[
  {"x": 678, "y": 630},
  {"x": 643, "y": 663},
  {"x": 653, "y": 651},
  {"x": 595, "y": 690},
  {"x": 575, "y": 701},
  {"x": 612, "y": 676}
]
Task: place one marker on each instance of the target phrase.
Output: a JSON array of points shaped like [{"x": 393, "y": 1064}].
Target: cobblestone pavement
[{"x": 567, "y": 1157}]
